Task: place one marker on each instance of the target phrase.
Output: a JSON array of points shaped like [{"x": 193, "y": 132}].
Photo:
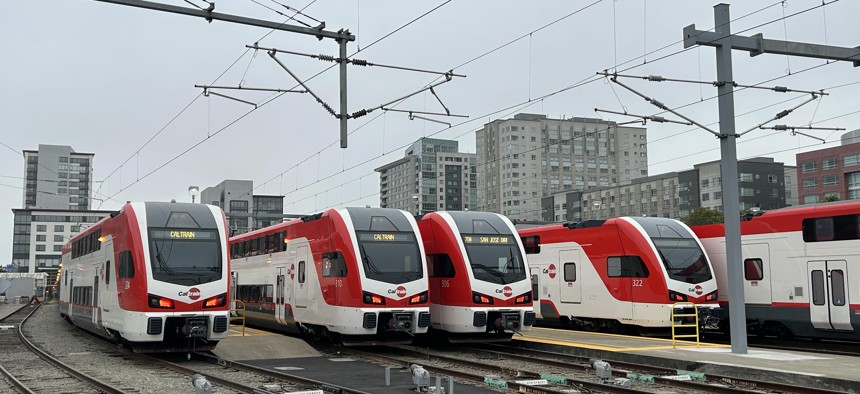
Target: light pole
[
  {"x": 193, "y": 191},
  {"x": 415, "y": 199}
]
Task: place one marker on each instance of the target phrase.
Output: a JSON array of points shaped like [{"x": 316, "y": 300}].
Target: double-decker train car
[
  {"x": 616, "y": 273},
  {"x": 152, "y": 275},
  {"x": 479, "y": 282},
  {"x": 799, "y": 267},
  {"x": 354, "y": 275}
]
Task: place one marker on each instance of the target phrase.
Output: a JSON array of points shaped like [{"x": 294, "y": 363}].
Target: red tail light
[
  {"x": 523, "y": 299},
  {"x": 160, "y": 302},
  {"x": 373, "y": 299},
  {"x": 215, "y": 302},
  {"x": 712, "y": 296},
  {"x": 677, "y": 297},
  {"x": 418, "y": 298},
  {"x": 479, "y": 298}
]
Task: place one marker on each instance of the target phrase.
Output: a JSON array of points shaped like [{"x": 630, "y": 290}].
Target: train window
[
  {"x": 532, "y": 244},
  {"x": 234, "y": 251},
  {"x": 818, "y": 287},
  {"x": 834, "y": 228},
  {"x": 107, "y": 272},
  {"x": 301, "y": 272},
  {"x": 246, "y": 248},
  {"x": 626, "y": 267},
  {"x": 837, "y": 287},
  {"x": 126, "y": 265},
  {"x": 65, "y": 278},
  {"x": 535, "y": 295},
  {"x": 753, "y": 269},
  {"x": 255, "y": 246},
  {"x": 333, "y": 265},
  {"x": 440, "y": 266},
  {"x": 282, "y": 241},
  {"x": 271, "y": 246},
  {"x": 570, "y": 272},
  {"x": 270, "y": 290}
]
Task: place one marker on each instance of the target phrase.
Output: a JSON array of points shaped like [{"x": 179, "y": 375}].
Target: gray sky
[{"x": 105, "y": 78}]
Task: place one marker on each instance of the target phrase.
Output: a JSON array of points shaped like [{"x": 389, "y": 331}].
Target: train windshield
[
  {"x": 495, "y": 258},
  {"x": 390, "y": 257},
  {"x": 683, "y": 258},
  {"x": 185, "y": 256}
]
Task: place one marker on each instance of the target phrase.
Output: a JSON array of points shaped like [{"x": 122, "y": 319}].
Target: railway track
[
  {"x": 725, "y": 384},
  {"x": 32, "y": 370}
]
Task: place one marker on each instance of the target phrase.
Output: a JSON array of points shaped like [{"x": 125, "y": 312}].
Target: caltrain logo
[
  {"x": 400, "y": 291},
  {"x": 697, "y": 290},
  {"x": 551, "y": 271},
  {"x": 192, "y": 293},
  {"x": 507, "y": 291}
]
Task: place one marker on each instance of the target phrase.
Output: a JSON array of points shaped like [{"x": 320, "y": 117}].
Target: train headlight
[
  {"x": 215, "y": 302},
  {"x": 160, "y": 302},
  {"x": 712, "y": 296},
  {"x": 523, "y": 299},
  {"x": 418, "y": 298},
  {"x": 479, "y": 298},
  {"x": 370, "y": 298},
  {"x": 677, "y": 297}
]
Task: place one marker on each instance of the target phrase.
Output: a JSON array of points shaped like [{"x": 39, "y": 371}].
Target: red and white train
[
  {"x": 153, "y": 276},
  {"x": 616, "y": 273},
  {"x": 356, "y": 275},
  {"x": 799, "y": 266},
  {"x": 479, "y": 282}
]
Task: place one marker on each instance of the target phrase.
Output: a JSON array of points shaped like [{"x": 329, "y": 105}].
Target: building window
[
  {"x": 853, "y": 185},
  {"x": 58, "y": 238},
  {"x": 58, "y": 248},
  {"x": 828, "y": 164},
  {"x": 830, "y": 180},
  {"x": 772, "y": 178},
  {"x": 41, "y": 238},
  {"x": 808, "y": 167},
  {"x": 718, "y": 195},
  {"x": 774, "y": 193},
  {"x": 810, "y": 182},
  {"x": 810, "y": 199},
  {"x": 64, "y": 159},
  {"x": 705, "y": 197},
  {"x": 746, "y": 177},
  {"x": 41, "y": 228},
  {"x": 40, "y": 248},
  {"x": 239, "y": 206},
  {"x": 851, "y": 160},
  {"x": 704, "y": 183},
  {"x": 58, "y": 228}
]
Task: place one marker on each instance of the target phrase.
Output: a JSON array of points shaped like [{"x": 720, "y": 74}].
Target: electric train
[
  {"x": 152, "y": 275},
  {"x": 479, "y": 283},
  {"x": 616, "y": 274},
  {"x": 799, "y": 266},
  {"x": 353, "y": 275}
]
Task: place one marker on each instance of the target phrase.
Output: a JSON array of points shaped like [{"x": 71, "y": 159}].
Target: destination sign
[
  {"x": 386, "y": 237},
  {"x": 183, "y": 234},
  {"x": 488, "y": 239}
]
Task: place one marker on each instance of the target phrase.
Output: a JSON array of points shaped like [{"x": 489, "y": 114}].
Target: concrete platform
[
  {"x": 355, "y": 374},
  {"x": 831, "y": 372},
  {"x": 257, "y": 344}
]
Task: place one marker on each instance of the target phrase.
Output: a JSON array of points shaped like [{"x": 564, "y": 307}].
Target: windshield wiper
[
  {"x": 161, "y": 263},
  {"x": 491, "y": 271},
  {"x": 368, "y": 261}
]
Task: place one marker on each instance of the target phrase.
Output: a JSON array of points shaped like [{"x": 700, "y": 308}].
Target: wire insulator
[
  {"x": 780, "y": 127},
  {"x": 781, "y": 89},
  {"x": 359, "y": 62},
  {"x": 658, "y": 104},
  {"x": 359, "y": 114},
  {"x": 655, "y": 78},
  {"x": 658, "y": 119},
  {"x": 783, "y": 114},
  {"x": 328, "y": 58}
]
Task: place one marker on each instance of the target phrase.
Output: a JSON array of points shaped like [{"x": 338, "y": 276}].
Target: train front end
[
  {"x": 688, "y": 273},
  {"x": 480, "y": 289},
  {"x": 179, "y": 296},
  {"x": 392, "y": 305}
]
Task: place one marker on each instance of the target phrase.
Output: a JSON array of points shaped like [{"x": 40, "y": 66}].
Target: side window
[
  {"x": 333, "y": 265},
  {"x": 626, "y": 267},
  {"x": 301, "y": 272},
  {"x": 837, "y": 287},
  {"x": 753, "y": 269},
  {"x": 570, "y": 272},
  {"x": 440, "y": 266},
  {"x": 531, "y": 244},
  {"x": 535, "y": 293},
  {"x": 107, "y": 272},
  {"x": 126, "y": 265}
]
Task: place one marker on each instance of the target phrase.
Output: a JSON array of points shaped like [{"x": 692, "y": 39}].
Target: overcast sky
[{"x": 106, "y": 78}]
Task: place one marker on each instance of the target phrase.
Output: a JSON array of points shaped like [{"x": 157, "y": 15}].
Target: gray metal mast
[{"x": 724, "y": 42}]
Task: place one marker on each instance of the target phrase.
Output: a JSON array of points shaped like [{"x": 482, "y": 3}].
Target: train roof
[{"x": 782, "y": 220}]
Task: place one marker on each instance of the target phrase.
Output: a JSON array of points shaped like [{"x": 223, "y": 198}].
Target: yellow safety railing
[
  {"x": 680, "y": 320},
  {"x": 237, "y": 312}
]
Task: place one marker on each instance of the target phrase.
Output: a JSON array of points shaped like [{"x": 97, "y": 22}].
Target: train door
[
  {"x": 569, "y": 279},
  {"x": 302, "y": 269},
  {"x": 536, "y": 284},
  {"x": 757, "y": 275},
  {"x": 96, "y": 310},
  {"x": 108, "y": 297},
  {"x": 828, "y": 307},
  {"x": 280, "y": 280}
]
